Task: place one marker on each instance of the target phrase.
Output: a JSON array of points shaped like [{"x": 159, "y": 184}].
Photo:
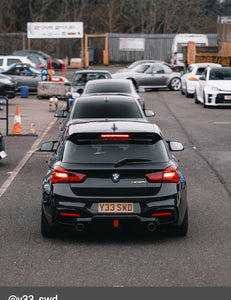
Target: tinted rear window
[
  {"x": 113, "y": 152},
  {"x": 108, "y": 88},
  {"x": 106, "y": 109},
  {"x": 200, "y": 70}
]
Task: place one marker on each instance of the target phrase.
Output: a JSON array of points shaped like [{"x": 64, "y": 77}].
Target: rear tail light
[
  {"x": 115, "y": 136},
  {"x": 193, "y": 79},
  {"x": 162, "y": 214},
  {"x": 69, "y": 214},
  {"x": 61, "y": 175},
  {"x": 168, "y": 175}
]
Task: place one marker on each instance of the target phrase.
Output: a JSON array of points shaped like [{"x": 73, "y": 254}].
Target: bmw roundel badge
[{"x": 115, "y": 177}]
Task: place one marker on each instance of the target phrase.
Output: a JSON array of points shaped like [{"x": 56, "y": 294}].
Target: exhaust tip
[
  {"x": 151, "y": 226},
  {"x": 80, "y": 227}
]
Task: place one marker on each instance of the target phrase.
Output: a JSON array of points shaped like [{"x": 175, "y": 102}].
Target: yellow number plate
[{"x": 114, "y": 207}]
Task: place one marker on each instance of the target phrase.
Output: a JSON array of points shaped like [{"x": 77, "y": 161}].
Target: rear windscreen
[
  {"x": 106, "y": 109},
  {"x": 113, "y": 152},
  {"x": 108, "y": 88}
]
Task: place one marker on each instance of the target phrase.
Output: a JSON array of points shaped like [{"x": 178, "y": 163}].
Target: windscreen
[
  {"x": 220, "y": 74},
  {"x": 81, "y": 78},
  {"x": 106, "y": 109},
  {"x": 113, "y": 152}
]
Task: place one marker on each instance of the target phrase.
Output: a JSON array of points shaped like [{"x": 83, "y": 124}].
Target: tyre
[
  {"x": 188, "y": 95},
  {"x": 204, "y": 102},
  {"x": 196, "y": 99},
  {"x": 46, "y": 229},
  {"x": 175, "y": 84},
  {"x": 181, "y": 91},
  {"x": 183, "y": 228}
]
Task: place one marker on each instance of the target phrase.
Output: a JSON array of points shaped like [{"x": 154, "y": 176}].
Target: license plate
[
  {"x": 115, "y": 207},
  {"x": 228, "y": 97}
]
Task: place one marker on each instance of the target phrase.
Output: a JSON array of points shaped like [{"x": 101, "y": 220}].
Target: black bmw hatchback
[{"x": 113, "y": 174}]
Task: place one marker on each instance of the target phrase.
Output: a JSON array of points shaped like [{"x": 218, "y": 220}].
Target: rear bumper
[{"x": 152, "y": 216}]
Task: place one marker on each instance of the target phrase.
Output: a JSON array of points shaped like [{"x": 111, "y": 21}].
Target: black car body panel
[
  {"x": 8, "y": 86},
  {"x": 117, "y": 172}
]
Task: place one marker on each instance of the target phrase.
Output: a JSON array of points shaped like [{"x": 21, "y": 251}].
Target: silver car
[{"x": 152, "y": 76}]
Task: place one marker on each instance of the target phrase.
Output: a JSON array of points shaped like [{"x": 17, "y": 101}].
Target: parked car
[
  {"x": 113, "y": 87},
  {"x": 8, "y": 86},
  {"x": 214, "y": 87},
  {"x": 8, "y": 60},
  {"x": 36, "y": 58},
  {"x": 113, "y": 174},
  {"x": 191, "y": 77},
  {"x": 25, "y": 75},
  {"x": 81, "y": 77},
  {"x": 2, "y": 147},
  {"x": 56, "y": 63},
  {"x": 104, "y": 107},
  {"x": 152, "y": 76}
]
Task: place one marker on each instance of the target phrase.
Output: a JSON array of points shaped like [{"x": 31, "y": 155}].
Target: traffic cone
[{"x": 17, "y": 129}]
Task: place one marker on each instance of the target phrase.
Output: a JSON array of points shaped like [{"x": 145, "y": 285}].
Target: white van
[
  {"x": 7, "y": 60},
  {"x": 182, "y": 39}
]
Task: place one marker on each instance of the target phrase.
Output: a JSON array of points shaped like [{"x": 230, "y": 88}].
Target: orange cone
[{"x": 17, "y": 129}]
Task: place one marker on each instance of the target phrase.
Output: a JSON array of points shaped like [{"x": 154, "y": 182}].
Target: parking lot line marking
[{"x": 17, "y": 169}]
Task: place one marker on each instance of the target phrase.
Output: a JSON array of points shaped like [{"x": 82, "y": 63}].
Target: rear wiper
[{"x": 124, "y": 161}]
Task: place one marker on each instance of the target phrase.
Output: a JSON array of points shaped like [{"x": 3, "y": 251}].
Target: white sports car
[
  {"x": 191, "y": 77},
  {"x": 214, "y": 87}
]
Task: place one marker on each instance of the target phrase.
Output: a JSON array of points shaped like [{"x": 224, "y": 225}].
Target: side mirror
[
  {"x": 60, "y": 114},
  {"x": 149, "y": 113},
  {"x": 47, "y": 146},
  {"x": 67, "y": 84},
  {"x": 202, "y": 78},
  {"x": 175, "y": 146}
]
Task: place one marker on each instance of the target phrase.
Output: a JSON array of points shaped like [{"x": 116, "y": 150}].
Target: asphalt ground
[{"x": 199, "y": 260}]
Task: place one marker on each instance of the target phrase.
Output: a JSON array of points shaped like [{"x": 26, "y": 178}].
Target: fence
[{"x": 152, "y": 46}]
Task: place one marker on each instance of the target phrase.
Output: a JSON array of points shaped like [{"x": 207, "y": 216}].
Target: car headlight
[{"x": 212, "y": 88}]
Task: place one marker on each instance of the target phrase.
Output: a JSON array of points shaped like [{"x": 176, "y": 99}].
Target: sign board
[
  {"x": 132, "y": 44},
  {"x": 224, "y": 19},
  {"x": 44, "y": 30}
]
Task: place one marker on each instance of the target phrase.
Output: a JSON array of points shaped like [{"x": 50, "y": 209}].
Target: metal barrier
[{"x": 4, "y": 101}]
